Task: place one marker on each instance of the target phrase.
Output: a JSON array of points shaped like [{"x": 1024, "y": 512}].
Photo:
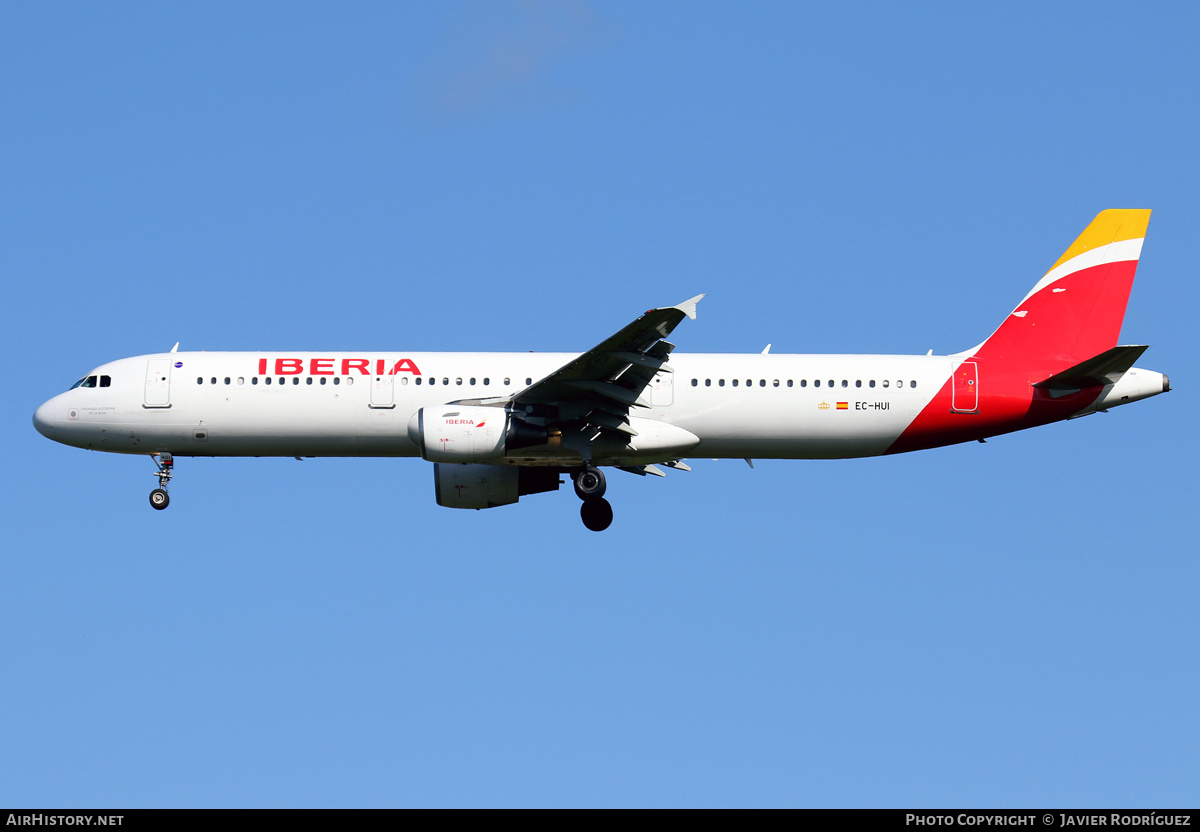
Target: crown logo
[{"x": 823, "y": 406}]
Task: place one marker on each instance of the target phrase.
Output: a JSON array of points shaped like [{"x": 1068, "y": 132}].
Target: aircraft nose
[{"x": 43, "y": 421}]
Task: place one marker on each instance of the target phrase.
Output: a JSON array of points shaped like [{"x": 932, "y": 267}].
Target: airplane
[{"x": 500, "y": 426}]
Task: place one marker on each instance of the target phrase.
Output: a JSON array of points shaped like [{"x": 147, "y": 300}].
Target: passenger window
[
  {"x": 693, "y": 382},
  {"x": 885, "y": 382},
  {"x": 446, "y": 381},
  {"x": 858, "y": 383},
  {"x": 762, "y": 382},
  {"x": 734, "y": 382},
  {"x": 899, "y": 383},
  {"x": 349, "y": 380},
  {"x": 845, "y": 383},
  {"x": 418, "y": 379},
  {"x": 198, "y": 381},
  {"x": 241, "y": 380},
  {"x": 528, "y": 382},
  {"x": 507, "y": 382},
  {"x": 790, "y": 383},
  {"x": 472, "y": 382},
  {"x": 720, "y": 382},
  {"x": 708, "y": 382},
  {"x": 336, "y": 381},
  {"x": 214, "y": 380},
  {"x": 912, "y": 384},
  {"x": 254, "y": 379},
  {"x": 295, "y": 380},
  {"x": 458, "y": 381},
  {"x": 323, "y": 380},
  {"x": 830, "y": 382},
  {"x": 486, "y": 381},
  {"x": 803, "y": 382},
  {"x": 871, "y": 383},
  {"x": 105, "y": 381},
  {"x": 308, "y": 380},
  {"x": 403, "y": 381},
  {"x": 776, "y": 383},
  {"x": 267, "y": 380},
  {"x": 226, "y": 379},
  {"x": 816, "y": 383}
]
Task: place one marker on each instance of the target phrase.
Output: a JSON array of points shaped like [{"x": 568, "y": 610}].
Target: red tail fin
[{"x": 1075, "y": 311}]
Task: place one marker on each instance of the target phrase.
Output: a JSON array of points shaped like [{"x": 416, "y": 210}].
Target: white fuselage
[{"x": 353, "y": 404}]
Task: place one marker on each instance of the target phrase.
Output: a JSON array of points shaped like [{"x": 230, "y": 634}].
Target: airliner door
[
  {"x": 158, "y": 383},
  {"x": 964, "y": 393},
  {"x": 662, "y": 390},
  {"x": 382, "y": 392}
]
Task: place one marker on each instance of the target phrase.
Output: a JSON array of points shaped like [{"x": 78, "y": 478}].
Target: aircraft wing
[{"x": 599, "y": 387}]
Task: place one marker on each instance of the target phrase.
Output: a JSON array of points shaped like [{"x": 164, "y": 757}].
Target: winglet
[
  {"x": 176, "y": 347},
  {"x": 688, "y": 307}
]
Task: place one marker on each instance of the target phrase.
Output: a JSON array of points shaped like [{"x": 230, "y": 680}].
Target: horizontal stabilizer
[{"x": 1105, "y": 368}]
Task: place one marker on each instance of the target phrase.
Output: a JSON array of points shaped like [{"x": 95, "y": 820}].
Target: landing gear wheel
[
  {"x": 164, "y": 462},
  {"x": 597, "y": 514},
  {"x": 589, "y": 483}
]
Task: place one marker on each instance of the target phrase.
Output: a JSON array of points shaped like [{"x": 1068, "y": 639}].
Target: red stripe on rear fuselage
[{"x": 1007, "y": 402}]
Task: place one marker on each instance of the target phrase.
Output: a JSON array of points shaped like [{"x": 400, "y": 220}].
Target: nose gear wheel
[{"x": 159, "y": 498}]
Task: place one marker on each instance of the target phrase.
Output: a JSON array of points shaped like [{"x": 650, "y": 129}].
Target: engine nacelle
[
  {"x": 488, "y": 486},
  {"x": 454, "y": 433},
  {"x": 476, "y": 486}
]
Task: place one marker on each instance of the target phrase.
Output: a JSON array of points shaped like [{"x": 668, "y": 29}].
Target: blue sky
[{"x": 1009, "y": 624}]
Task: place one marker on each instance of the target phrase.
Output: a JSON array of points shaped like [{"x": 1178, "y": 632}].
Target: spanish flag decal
[{"x": 843, "y": 405}]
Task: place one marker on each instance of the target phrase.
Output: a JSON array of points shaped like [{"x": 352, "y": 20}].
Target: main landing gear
[
  {"x": 159, "y": 497},
  {"x": 597, "y": 514}
]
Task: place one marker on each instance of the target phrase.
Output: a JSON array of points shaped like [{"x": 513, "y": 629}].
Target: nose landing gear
[
  {"x": 595, "y": 512},
  {"x": 159, "y": 498}
]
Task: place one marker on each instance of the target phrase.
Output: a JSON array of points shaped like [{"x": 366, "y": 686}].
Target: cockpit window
[{"x": 93, "y": 381}]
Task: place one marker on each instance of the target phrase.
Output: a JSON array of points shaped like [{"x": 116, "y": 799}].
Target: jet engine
[{"x": 454, "y": 433}]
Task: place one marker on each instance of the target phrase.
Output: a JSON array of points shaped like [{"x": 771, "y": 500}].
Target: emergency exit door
[
  {"x": 662, "y": 390},
  {"x": 964, "y": 393},
  {"x": 382, "y": 392}
]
